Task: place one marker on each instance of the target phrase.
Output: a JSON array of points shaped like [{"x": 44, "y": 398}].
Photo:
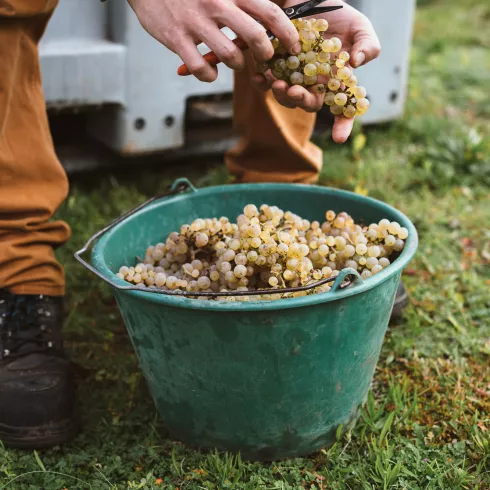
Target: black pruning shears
[{"x": 305, "y": 9}]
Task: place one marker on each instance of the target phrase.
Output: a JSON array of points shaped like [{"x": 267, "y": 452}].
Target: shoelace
[{"x": 21, "y": 326}]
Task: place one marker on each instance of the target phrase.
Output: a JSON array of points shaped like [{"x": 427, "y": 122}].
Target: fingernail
[
  {"x": 297, "y": 48},
  {"x": 360, "y": 58}
]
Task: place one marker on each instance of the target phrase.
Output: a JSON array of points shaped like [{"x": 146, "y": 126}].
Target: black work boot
[
  {"x": 401, "y": 302},
  {"x": 37, "y": 395}
]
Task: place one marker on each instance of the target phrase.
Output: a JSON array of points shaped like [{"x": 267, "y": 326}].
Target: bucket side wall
[{"x": 270, "y": 384}]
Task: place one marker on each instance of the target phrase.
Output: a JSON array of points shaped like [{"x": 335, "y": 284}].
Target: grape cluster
[
  {"x": 320, "y": 56},
  {"x": 266, "y": 249}
]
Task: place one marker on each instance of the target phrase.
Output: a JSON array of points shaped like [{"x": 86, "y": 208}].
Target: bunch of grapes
[
  {"x": 266, "y": 249},
  {"x": 320, "y": 57}
]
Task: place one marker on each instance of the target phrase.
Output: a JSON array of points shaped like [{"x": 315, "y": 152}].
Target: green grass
[{"x": 427, "y": 421}]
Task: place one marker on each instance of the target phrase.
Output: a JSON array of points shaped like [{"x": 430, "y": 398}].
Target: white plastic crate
[{"x": 97, "y": 54}]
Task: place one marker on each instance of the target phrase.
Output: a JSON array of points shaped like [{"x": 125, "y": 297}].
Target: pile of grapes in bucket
[
  {"x": 266, "y": 250},
  {"x": 321, "y": 62}
]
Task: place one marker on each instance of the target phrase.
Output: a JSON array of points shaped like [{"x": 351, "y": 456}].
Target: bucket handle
[
  {"x": 341, "y": 281},
  {"x": 178, "y": 187},
  {"x": 348, "y": 273}
]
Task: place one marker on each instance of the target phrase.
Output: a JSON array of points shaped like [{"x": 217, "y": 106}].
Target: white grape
[
  {"x": 350, "y": 111},
  {"x": 333, "y": 84},
  {"x": 296, "y": 78},
  {"x": 329, "y": 98},
  {"x": 340, "y": 99},
  {"x": 293, "y": 62},
  {"x": 310, "y": 70},
  {"x": 403, "y": 233}
]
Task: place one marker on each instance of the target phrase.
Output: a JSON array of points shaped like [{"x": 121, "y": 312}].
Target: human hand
[
  {"x": 180, "y": 26},
  {"x": 358, "y": 39}
]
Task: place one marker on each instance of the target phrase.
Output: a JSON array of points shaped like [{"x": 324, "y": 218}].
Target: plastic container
[{"x": 271, "y": 379}]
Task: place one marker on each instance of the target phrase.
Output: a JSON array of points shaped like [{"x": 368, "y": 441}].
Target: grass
[{"x": 426, "y": 424}]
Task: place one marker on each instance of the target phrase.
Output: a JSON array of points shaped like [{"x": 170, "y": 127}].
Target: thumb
[{"x": 366, "y": 46}]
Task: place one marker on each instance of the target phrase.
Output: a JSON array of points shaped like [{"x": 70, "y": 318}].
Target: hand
[
  {"x": 180, "y": 26},
  {"x": 358, "y": 39}
]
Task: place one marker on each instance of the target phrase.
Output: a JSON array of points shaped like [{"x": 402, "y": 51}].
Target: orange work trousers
[{"x": 274, "y": 146}]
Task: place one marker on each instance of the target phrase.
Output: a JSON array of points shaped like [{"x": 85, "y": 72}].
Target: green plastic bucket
[{"x": 269, "y": 379}]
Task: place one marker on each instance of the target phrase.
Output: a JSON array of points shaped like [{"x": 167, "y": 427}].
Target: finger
[
  {"x": 366, "y": 46},
  {"x": 274, "y": 18},
  {"x": 308, "y": 101},
  {"x": 322, "y": 79},
  {"x": 223, "y": 47},
  {"x": 342, "y": 129},
  {"x": 248, "y": 29},
  {"x": 280, "y": 89},
  {"x": 194, "y": 61},
  {"x": 260, "y": 82}
]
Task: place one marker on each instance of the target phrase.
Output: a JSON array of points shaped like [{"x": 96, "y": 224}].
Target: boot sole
[{"x": 40, "y": 437}]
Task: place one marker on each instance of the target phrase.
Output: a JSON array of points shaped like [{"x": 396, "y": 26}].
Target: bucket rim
[{"x": 395, "y": 267}]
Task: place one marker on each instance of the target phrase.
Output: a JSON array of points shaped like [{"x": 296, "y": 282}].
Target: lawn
[{"x": 426, "y": 424}]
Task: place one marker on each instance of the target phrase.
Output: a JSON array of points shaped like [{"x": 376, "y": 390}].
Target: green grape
[
  {"x": 323, "y": 69},
  {"x": 361, "y": 249},
  {"x": 341, "y": 99},
  {"x": 345, "y": 56},
  {"x": 329, "y": 98},
  {"x": 304, "y": 24},
  {"x": 390, "y": 240},
  {"x": 302, "y": 57},
  {"x": 359, "y": 92},
  {"x": 336, "y": 110},
  {"x": 277, "y": 73},
  {"x": 323, "y": 57},
  {"x": 334, "y": 84},
  {"x": 344, "y": 73},
  {"x": 362, "y": 104},
  {"x": 293, "y": 62},
  {"x": 350, "y": 111},
  {"x": 371, "y": 262},
  {"x": 394, "y": 228},
  {"x": 366, "y": 274},
  {"x": 310, "y": 80},
  {"x": 273, "y": 281},
  {"x": 403, "y": 233},
  {"x": 321, "y": 25},
  {"x": 328, "y": 46},
  {"x": 384, "y": 262},
  {"x": 337, "y": 44},
  {"x": 280, "y": 64},
  {"x": 399, "y": 245},
  {"x": 307, "y": 36},
  {"x": 351, "y": 82},
  {"x": 310, "y": 70},
  {"x": 340, "y": 63},
  {"x": 310, "y": 57},
  {"x": 296, "y": 78}
]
